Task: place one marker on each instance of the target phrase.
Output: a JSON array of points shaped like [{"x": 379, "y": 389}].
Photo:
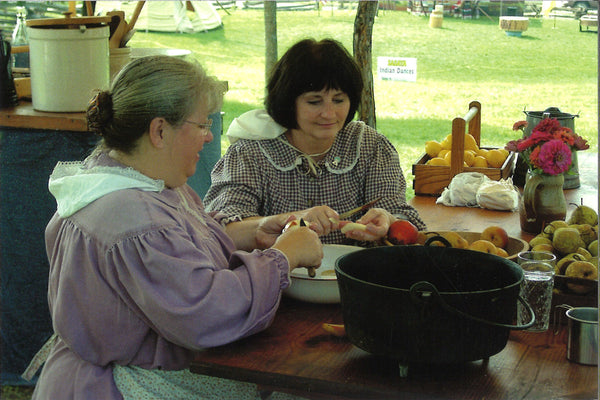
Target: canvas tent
[{"x": 167, "y": 16}]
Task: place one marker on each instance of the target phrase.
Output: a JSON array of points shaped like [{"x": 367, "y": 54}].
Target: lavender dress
[{"x": 141, "y": 276}]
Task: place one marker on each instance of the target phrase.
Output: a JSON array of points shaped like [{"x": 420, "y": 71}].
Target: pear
[
  {"x": 583, "y": 215},
  {"x": 581, "y": 269},
  {"x": 593, "y": 248},
  {"x": 584, "y": 252},
  {"x": 539, "y": 240},
  {"x": 563, "y": 263},
  {"x": 553, "y": 226},
  {"x": 586, "y": 232},
  {"x": 567, "y": 240}
]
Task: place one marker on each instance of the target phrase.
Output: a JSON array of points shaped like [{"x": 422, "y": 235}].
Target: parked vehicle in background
[{"x": 583, "y": 5}]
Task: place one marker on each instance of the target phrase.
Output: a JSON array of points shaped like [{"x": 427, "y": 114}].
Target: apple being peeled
[
  {"x": 496, "y": 235},
  {"x": 403, "y": 232}
]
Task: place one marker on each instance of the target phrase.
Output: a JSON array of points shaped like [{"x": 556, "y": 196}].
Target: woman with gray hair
[{"x": 141, "y": 276}]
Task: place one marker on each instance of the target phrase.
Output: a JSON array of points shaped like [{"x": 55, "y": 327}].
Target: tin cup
[{"x": 582, "y": 345}]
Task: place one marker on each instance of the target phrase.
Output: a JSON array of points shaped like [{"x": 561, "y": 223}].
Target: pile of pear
[
  {"x": 574, "y": 242},
  {"x": 440, "y": 153}
]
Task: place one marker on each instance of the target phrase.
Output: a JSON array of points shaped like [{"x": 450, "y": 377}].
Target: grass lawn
[{"x": 551, "y": 65}]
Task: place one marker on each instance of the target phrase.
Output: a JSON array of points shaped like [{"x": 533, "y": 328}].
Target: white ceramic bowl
[{"x": 323, "y": 288}]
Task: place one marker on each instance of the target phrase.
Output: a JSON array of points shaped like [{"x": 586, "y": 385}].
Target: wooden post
[{"x": 363, "y": 33}]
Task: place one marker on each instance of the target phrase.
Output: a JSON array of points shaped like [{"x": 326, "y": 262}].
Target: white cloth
[
  {"x": 474, "y": 189},
  {"x": 254, "y": 125}
]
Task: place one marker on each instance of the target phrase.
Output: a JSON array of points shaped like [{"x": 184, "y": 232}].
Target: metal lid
[{"x": 550, "y": 112}]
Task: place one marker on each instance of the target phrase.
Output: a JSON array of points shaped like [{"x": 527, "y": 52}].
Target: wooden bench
[{"x": 587, "y": 21}]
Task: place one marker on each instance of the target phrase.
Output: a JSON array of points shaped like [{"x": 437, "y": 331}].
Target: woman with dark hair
[{"x": 305, "y": 156}]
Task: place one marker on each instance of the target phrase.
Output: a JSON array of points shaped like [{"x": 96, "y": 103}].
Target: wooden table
[{"x": 296, "y": 355}]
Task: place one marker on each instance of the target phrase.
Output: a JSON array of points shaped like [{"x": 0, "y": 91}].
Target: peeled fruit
[
  {"x": 485, "y": 246},
  {"x": 583, "y": 215},
  {"x": 581, "y": 269},
  {"x": 334, "y": 329},
  {"x": 497, "y": 235},
  {"x": 566, "y": 240},
  {"x": 403, "y": 232},
  {"x": 432, "y": 148},
  {"x": 593, "y": 248},
  {"x": 294, "y": 224},
  {"x": 352, "y": 226}
]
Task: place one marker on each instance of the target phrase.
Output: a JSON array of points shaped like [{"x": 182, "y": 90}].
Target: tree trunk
[
  {"x": 270, "y": 15},
  {"x": 363, "y": 33}
]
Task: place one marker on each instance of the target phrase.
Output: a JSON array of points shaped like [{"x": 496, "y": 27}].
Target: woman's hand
[
  {"x": 301, "y": 246},
  {"x": 377, "y": 221},
  {"x": 320, "y": 218}
]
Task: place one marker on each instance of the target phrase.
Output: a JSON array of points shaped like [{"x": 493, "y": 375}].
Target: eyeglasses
[{"x": 206, "y": 126}]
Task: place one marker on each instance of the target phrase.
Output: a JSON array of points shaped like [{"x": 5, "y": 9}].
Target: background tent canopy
[{"x": 167, "y": 16}]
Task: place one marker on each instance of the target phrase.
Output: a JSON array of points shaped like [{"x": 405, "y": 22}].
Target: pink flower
[
  {"x": 549, "y": 147},
  {"x": 512, "y": 145},
  {"x": 547, "y": 125},
  {"x": 580, "y": 143},
  {"x": 554, "y": 157},
  {"x": 520, "y": 125},
  {"x": 565, "y": 134}
]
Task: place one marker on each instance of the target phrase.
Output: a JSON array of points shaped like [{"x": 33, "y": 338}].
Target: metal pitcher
[{"x": 566, "y": 120}]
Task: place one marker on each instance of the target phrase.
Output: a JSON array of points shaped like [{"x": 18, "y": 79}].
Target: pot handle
[{"x": 426, "y": 288}]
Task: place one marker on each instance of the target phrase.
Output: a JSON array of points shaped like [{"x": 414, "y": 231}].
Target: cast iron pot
[{"x": 429, "y": 305}]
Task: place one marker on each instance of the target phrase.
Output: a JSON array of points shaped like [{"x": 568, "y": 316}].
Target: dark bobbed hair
[{"x": 311, "y": 66}]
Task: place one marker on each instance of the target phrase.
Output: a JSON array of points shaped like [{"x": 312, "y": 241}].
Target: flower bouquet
[
  {"x": 548, "y": 153},
  {"x": 549, "y": 148}
]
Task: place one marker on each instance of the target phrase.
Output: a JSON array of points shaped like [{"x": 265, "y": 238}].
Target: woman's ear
[{"x": 157, "y": 126}]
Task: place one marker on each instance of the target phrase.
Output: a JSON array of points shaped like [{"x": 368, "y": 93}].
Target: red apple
[
  {"x": 403, "y": 232},
  {"x": 496, "y": 235}
]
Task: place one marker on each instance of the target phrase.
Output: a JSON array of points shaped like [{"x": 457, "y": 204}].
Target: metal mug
[{"x": 582, "y": 342}]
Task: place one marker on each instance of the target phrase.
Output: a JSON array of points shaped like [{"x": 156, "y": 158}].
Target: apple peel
[{"x": 335, "y": 329}]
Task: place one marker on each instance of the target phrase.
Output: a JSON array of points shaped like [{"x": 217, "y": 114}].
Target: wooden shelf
[{"x": 25, "y": 116}]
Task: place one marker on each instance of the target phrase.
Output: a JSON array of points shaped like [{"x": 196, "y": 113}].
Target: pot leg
[{"x": 403, "y": 370}]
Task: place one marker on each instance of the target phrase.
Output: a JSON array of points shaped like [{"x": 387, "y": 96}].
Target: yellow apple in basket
[
  {"x": 485, "y": 246},
  {"x": 496, "y": 235}
]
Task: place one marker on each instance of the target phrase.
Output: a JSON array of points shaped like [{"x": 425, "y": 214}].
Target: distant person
[
  {"x": 141, "y": 277},
  {"x": 305, "y": 156}
]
